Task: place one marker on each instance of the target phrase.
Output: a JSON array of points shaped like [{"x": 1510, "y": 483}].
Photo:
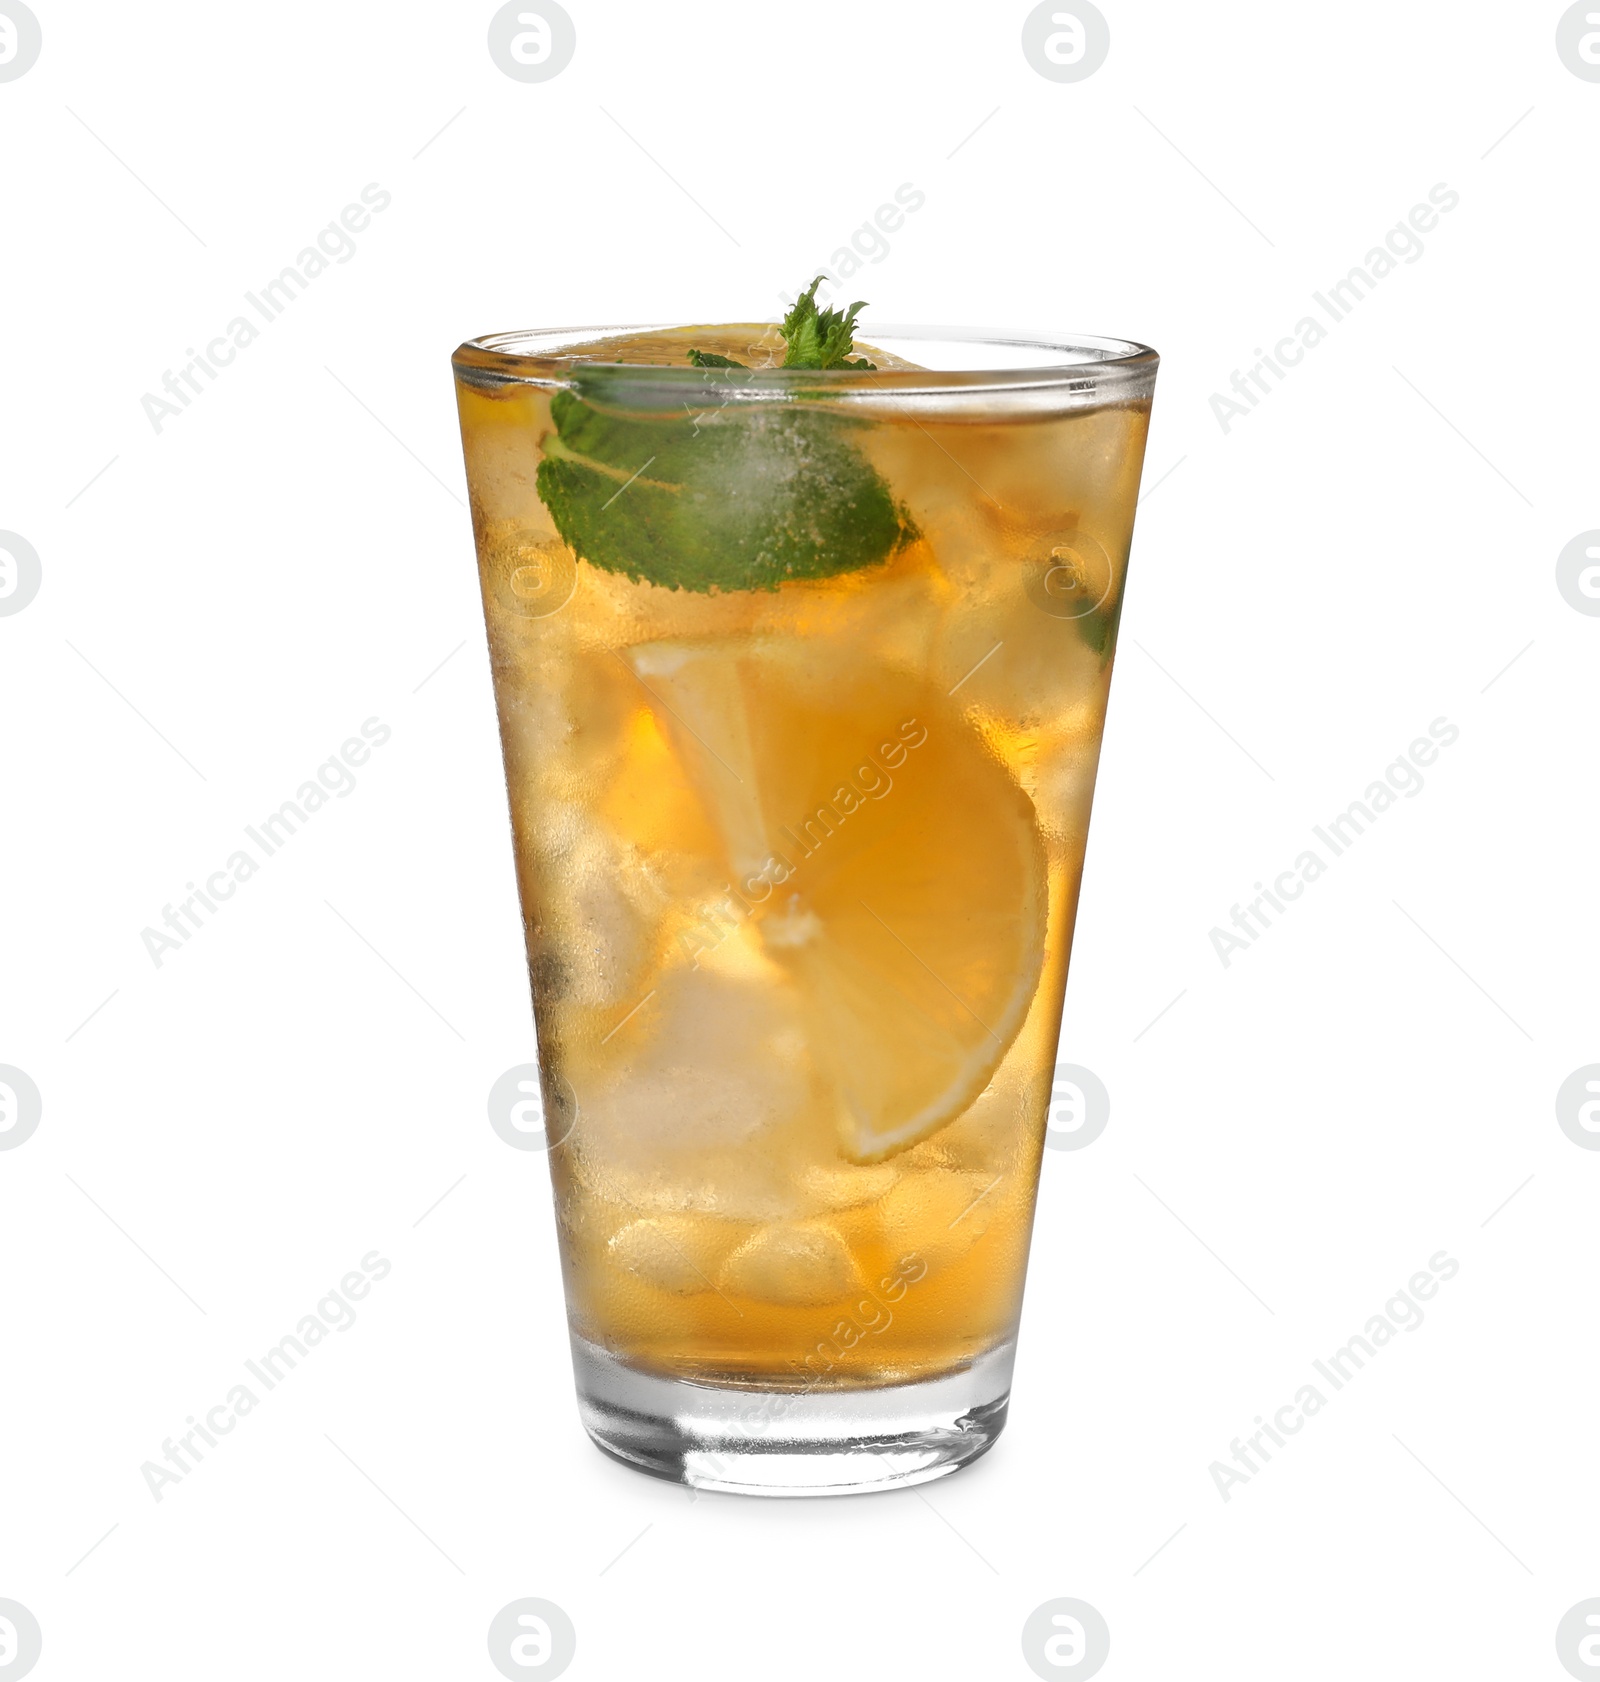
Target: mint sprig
[
  {"x": 813, "y": 338},
  {"x": 821, "y": 338}
]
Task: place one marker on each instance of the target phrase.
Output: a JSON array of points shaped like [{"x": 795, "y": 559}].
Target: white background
[{"x": 229, "y": 598}]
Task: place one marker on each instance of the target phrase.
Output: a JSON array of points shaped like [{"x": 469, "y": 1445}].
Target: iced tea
[{"x": 800, "y": 717}]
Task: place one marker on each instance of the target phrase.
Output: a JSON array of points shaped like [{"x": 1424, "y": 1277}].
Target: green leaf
[
  {"x": 1098, "y": 628},
  {"x": 741, "y": 496},
  {"x": 710, "y": 359},
  {"x": 821, "y": 338}
]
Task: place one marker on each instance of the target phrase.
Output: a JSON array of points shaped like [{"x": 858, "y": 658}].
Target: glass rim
[{"x": 1078, "y": 362}]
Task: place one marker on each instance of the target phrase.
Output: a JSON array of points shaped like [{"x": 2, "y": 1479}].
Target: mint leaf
[
  {"x": 732, "y": 497},
  {"x": 737, "y": 497},
  {"x": 821, "y": 338},
  {"x": 1098, "y": 628}
]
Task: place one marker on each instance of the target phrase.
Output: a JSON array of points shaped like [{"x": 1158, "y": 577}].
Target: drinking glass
[{"x": 801, "y": 679}]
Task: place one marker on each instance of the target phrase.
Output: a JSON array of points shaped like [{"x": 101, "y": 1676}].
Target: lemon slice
[{"x": 893, "y": 870}]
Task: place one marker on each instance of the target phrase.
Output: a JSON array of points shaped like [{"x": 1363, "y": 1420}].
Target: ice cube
[
  {"x": 797, "y": 1264},
  {"x": 673, "y": 1254},
  {"x": 704, "y": 1100},
  {"x": 846, "y": 1186},
  {"x": 601, "y": 906},
  {"x": 940, "y": 1215}
]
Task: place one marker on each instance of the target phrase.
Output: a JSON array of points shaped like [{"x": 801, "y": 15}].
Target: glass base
[{"x": 747, "y": 1441}]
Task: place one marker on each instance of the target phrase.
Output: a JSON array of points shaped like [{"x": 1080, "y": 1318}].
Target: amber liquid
[{"x": 799, "y": 870}]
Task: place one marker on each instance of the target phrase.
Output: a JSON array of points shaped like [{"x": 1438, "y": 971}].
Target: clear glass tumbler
[{"x": 801, "y": 679}]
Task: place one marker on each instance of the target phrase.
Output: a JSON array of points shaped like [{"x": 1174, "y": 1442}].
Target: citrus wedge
[{"x": 892, "y": 869}]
